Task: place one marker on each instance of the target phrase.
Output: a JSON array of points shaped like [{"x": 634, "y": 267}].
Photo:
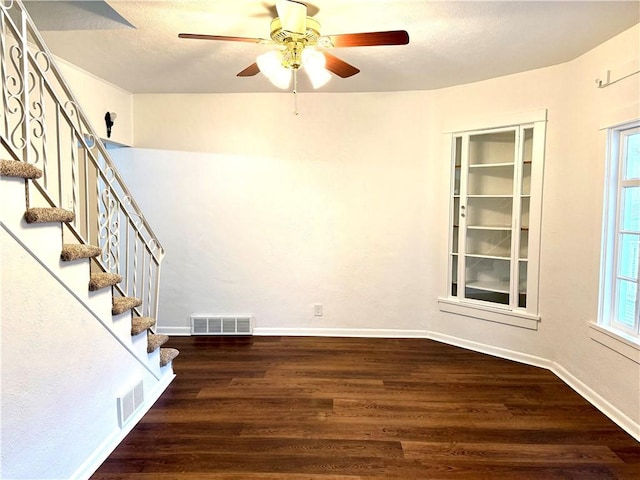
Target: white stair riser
[{"x": 44, "y": 241}]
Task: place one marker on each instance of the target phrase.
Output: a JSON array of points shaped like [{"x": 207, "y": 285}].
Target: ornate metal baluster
[
  {"x": 14, "y": 87},
  {"x": 31, "y": 82}
]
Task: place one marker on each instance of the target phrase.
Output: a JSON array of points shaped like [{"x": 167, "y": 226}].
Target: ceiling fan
[{"x": 300, "y": 44}]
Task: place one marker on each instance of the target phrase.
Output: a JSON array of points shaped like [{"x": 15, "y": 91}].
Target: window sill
[
  {"x": 625, "y": 345},
  {"x": 488, "y": 313}
]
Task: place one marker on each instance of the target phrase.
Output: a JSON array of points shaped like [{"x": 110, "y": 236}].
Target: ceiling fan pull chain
[{"x": 295, "y": 91}]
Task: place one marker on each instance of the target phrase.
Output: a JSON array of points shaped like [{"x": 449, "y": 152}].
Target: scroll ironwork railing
[{"x": 42, "y": 124}]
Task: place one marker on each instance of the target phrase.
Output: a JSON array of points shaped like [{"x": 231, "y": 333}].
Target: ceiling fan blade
[
  {"x": 312, "y": 10},
  {"x": 339, "y": 66},
  {"x": 369, "y": 39},
  {"x": 250, "y": 71},
  {"x": 293, "y": 16},
  {"x": 198, "y": 36}
]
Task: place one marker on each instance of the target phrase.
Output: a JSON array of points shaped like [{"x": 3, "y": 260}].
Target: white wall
[
  {"x": 278, "y": 212},
  {"x": 97, "y": 97},
  {"x": 346, "y": 205},
  {"x": 571, "y": 218},
  {"x": 61, "y": 374}
]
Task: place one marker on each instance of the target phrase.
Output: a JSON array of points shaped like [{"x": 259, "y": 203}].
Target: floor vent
[
  {"x": 129, "y": 403},
  {"x": 221, "y": 325}
]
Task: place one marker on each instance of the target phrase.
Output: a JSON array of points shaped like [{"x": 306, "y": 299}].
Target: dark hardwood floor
[{"x": 298, "y": 408}]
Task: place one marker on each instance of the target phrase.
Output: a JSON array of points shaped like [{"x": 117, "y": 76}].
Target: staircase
[
  {"x": 73, "y": 253},
  {"x": 69, "y": 224}
]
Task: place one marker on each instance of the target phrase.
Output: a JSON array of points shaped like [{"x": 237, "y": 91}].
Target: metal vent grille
[
  {"x": 129, "y": 403},
  {"x": 221, "y": 325}
]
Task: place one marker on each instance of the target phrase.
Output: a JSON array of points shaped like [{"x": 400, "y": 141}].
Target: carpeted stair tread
[
  {"x": 122, "y": 304},
  {"x": 140, "y": 324},
  {"x": 48, "y": 215},
  {"x": 103, "y": 280},
  {"x": 73, "y": 251},
  {"x": 167, "y": 355},
  {"x": 13, "y": 168},
  {"x": 155, "y": 340}
]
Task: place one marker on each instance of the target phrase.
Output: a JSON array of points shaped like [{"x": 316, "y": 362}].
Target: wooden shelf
[
  {"x": 489, "y": 257},
  {"x": 493, "y": 179},
  {"x": 503, "y": 228},
  {"x": 491, "y": 196},
  {"x": 497, "y": 287},
  {"x": 490, "y": 165},
  {"x": 489, "y": 227}
]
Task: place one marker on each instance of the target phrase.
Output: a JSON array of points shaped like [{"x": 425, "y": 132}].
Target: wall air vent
[
  {"x": 129, "y": 403},
  {"x": 221, "y": 325}
]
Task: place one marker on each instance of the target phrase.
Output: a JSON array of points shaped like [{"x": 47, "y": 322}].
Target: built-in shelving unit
[{"x": 490, "y": 216}]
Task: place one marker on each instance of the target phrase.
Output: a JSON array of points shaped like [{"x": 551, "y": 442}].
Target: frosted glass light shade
[
  {"x": 314, "y": 63},
  {"x": 270, "y": 64}
]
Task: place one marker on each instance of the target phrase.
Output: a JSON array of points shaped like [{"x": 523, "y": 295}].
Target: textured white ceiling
[{"x": 451, "y": 42}]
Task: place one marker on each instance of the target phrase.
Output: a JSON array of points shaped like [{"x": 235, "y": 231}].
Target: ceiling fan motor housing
[{"x": 283, "y": 37}]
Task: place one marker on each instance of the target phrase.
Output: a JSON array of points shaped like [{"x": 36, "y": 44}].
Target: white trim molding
[
  {"x": 174, "y": 331},
  {"x": 620, "y": 116},
  {"x": 615, "y": 415},
  {"x": 618, "y": 417},
  {"x": 615, "y": 340},
  {"x": 339, "y": 332},
  {"x": 507, "y": 354},
  {"x": 482, "y": 312},
  {"x": 497, "y": 121}
]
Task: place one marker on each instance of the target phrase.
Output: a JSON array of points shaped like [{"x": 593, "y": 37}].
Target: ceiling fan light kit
[
  {"x": 300, "y": 44},
  {"x": 270, "y": 64}
]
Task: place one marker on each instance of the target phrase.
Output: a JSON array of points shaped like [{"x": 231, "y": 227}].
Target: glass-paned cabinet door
[{"x": 490, "y": 216}]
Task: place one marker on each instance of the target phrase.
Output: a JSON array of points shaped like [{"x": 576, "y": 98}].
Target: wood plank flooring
[{"x": 296, "y": 408}]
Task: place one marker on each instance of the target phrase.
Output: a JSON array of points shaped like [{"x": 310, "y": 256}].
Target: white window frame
[{"x": 609, "y": 274}]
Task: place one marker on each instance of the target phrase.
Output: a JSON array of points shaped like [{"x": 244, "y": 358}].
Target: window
[
  {"x": 619, "y": 293},
  {"x": 494, "y": 237}
]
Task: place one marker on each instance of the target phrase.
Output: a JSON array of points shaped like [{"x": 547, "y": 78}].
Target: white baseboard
[
  {"x": 618, "y": 417},
  {"x": 174, "y": 331},
  {"x": 100, "y": 454},
  {"x": 595, "y": 399},
  {"x": 311, "y": 332},
  {"x": 492, "y": 350},
  {"x": 339, "y": 332},
  {"x": 614, "y": 414}
]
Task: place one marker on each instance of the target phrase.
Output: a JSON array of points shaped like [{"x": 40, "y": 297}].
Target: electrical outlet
[{"x": 317, "y": 310}]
